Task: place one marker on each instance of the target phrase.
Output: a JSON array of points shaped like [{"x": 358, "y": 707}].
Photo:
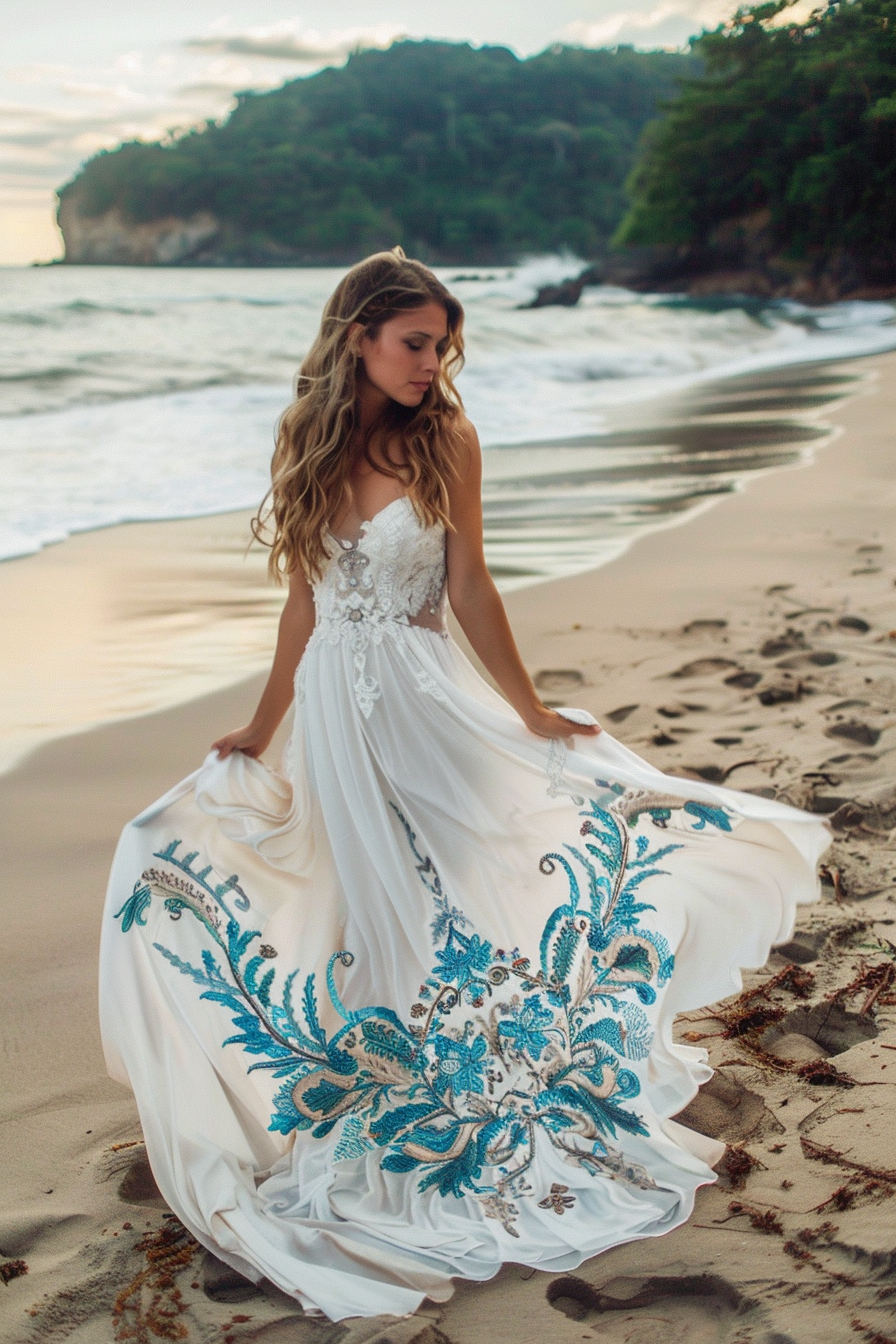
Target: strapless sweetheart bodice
[
  {"x": 389, "y": 580},
  {"x": 394, "y": 572}
]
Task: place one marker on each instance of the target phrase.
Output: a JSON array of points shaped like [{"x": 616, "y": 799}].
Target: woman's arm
[
  {"x": 477, "y": 605},
  {"x": 296, "y": 624}
]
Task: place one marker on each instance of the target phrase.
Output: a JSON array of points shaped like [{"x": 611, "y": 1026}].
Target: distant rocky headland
[
  {"x": 460, "y": 154},
  {"x": 762, "y": 162}
]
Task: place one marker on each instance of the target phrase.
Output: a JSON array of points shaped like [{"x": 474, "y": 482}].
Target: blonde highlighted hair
[{"x": 317, "y": 445}]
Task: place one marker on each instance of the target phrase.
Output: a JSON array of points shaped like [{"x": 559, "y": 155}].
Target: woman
[{"x": 403, "y": 1012}]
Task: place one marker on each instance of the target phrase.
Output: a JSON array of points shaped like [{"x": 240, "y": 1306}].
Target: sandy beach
[{"x": 754, "y": 644}]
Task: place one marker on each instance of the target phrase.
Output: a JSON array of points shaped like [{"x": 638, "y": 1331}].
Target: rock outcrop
[
  {"x": 112, "y": 240},
  {"x": 740, "y": 258}
]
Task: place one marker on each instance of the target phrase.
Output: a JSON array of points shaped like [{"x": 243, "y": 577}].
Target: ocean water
[{"x": 130, "y": 394}]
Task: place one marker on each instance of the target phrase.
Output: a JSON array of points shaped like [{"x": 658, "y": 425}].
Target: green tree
[
  {"x": 794, "y": 119},
  {"x": 457, "y": 153}
]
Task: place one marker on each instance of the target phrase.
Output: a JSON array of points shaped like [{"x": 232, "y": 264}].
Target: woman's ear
[{"x": 355, "y": 332}]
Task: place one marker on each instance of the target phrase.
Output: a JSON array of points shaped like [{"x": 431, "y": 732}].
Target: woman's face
[{"x": 402, "y": 359}]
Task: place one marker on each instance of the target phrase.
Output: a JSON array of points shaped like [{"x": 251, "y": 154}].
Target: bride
[{"x": 402, "y": 1010}]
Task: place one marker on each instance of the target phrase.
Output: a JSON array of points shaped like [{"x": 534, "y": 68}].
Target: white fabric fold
[{"x": 389, "y": 1014}]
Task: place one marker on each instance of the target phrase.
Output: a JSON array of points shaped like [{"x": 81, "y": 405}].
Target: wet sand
[
  {"x": 755, "y": 644},
  {"x": 148, "y": 615}
]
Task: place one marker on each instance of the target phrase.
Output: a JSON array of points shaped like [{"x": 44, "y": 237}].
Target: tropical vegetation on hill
[
  {"x": 458, "y": 153},
  {"x": 784, "y": 146}
]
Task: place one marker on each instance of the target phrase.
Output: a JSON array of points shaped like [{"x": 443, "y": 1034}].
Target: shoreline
[
  {"x": 719, "y": 649},
  {"x": 159, "y": 613}
]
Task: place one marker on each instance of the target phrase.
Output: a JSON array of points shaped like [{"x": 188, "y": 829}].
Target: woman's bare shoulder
[{"x": 467, "y": 452}]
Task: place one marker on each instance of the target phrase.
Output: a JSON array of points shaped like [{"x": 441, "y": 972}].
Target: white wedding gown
[{"x": 404, "y": 1012}]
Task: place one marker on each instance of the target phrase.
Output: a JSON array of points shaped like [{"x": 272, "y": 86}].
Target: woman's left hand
[{"x": 548, "y": 723}]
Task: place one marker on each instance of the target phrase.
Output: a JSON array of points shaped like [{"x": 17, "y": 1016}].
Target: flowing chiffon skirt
[{"x": 404, "y": 1011}]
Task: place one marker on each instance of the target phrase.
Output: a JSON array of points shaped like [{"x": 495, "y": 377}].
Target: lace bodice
[{"x": 391, "y": 578}]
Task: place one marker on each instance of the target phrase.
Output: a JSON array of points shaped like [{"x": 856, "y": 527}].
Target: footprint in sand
[
  {"x": 812, "y": 658},
  {"x": 703, "y": 627},
  {"x": 725, "y": 1109},
  {"x": 854, "y": 731},
  {"x": 558, "y": 679},
  {"x": 688, "y": 1309},
  {"x": 703, "y": 667},
  {"x": 854, "y": 624},
  {"x": 786, "y": 643},
  {"x": 139, "y": 1185},
  {"x": 804, "y": 946},
  {"x": 619, "y": 715},
  {"x": 744, "y": 680},
  {"x": 828, "y": 1027}
]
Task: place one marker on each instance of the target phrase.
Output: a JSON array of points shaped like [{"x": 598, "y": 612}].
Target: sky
[{"x": 76, "y": 78}]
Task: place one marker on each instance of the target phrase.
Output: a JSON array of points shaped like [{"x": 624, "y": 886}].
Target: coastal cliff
[
  {"x": 110, "y": 239},
  {"x": 460, "y": 154}
]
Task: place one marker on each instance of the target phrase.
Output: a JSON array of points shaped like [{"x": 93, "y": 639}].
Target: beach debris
[
  {"x": 819, "y": 1152},
  {"x": 149, "y": 1306},
  {"x": 876, "y": 982},
  {"x": 763, "y": 1220},
  {"x": 807, "y": 1257},
  {"x": 825, "y": 1232},
  {"x": 12, "y": 1269},
  {"x": 751, "y": 1019},
  {"x": 821, "y": 1073},
  {"x": 738, "y": 1165}
]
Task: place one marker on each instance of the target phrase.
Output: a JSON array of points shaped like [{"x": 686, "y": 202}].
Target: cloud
[
  {"x": 46, "y": 144},
  {"x": 288, "y": 41},
  {"x": 670, "y": 21}
]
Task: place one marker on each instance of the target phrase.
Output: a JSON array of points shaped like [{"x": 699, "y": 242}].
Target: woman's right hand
[{"x": 251, "y": 740}]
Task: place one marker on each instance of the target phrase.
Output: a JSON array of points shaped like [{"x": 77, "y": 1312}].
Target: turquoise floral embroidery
[
  {"x": 523, "y": 1031},
  {"x": 496, "y": 1052},
  {"x": 460, "y": 1066}
]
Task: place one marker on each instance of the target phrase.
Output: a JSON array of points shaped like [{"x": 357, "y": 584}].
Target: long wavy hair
[{"x": 318, "y": 445}]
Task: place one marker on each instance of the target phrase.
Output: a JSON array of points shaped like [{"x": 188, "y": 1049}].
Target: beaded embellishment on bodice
[{"x": 391, "y": 578}]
